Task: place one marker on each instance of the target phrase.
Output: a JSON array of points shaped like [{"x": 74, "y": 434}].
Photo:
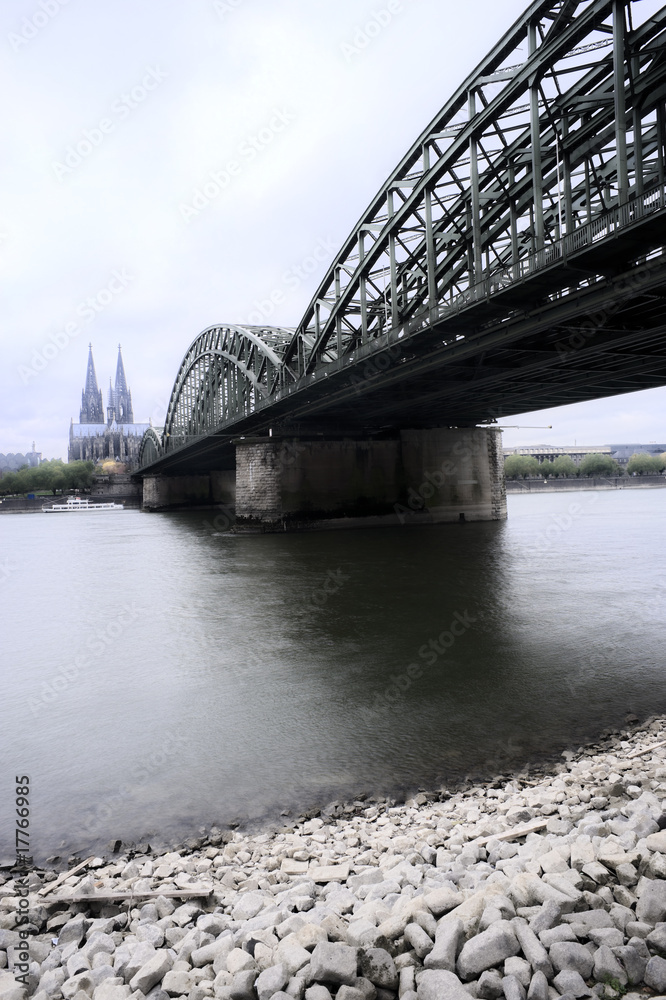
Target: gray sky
[{"x": 118, "y": 111}]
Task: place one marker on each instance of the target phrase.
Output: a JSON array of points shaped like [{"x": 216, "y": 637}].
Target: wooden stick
[
  {"x": 638, "y": 753},
  {"x": 65, "y": 875},
  {"x": 518, "y": 831},
  {"x": 104, "y": 897}
]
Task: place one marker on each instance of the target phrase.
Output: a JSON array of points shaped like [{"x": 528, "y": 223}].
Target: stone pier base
[
  {"x": 415, "y": 476},
  {"x": 181, "y": 492}
]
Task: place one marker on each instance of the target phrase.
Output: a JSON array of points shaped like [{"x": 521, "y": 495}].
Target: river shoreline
[{"x": 547, "y": 883}]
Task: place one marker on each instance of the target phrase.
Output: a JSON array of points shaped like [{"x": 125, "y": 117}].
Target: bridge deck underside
[{"x": 540, "y": 342}]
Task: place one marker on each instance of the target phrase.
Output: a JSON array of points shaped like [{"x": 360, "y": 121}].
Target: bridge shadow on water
[{"x": 387, "y": 660}]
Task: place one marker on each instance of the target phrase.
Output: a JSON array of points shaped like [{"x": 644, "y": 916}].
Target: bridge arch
[
  {"x": 226, "y": 372},
  {"x": 555, "y": 142}
]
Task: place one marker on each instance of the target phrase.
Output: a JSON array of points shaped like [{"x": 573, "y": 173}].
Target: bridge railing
[{"x": 597, "y": 229}]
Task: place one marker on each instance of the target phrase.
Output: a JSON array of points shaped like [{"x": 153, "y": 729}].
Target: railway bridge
[{"x": 514, "y": 260}]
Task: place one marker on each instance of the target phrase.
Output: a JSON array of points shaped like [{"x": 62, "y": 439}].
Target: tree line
[
  {"x": 50, "y": 476},
  {"x": 523, "y": 466}
]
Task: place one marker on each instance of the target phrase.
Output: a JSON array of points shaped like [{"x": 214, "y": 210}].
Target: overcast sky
[{"x": 118, "y": 111}]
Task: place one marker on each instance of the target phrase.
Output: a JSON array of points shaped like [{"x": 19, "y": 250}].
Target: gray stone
[
  {"x": 513, "y": 988},
  {"x": 242, "y": 985},
  {"x": 656, "y": 939},
  {"x": 449, "y": 937},
  {"x": 609, "y": 936},
  {"x": 417, "y": 938},
  {"x": 570, "y": 956},
  {"x": 377, "y": 965},
  {"x": 487, "y": 949},
  {"x": 588, "y": 919},
  {"x": 519, "y": 968},
  {"x": 141, "y": 954},
  {"x": 52, "y": 980},
  {"x": 74, "y": 930},
  {"x": 549, "y": 915},
  {"x": 211, "y": 952},
  {"x": 655, "y": 974},
  {"x": 270, "y": 981},
  {"x": 532, "y": 948},
  {"x": 442, "y": 900},
  {"x": 633, "y": 963},
  {"x": 438, "y": 984},
  {"x": 9, "y": 988},
  {"x": 489, "y": 985},
  {"x": 651, "y": 905},
  {"x": 572, "y": 983},
  {"x": 111, "y": 989},
  {"x": 177, "y": 983},
  {"x": 152, "y": 972},
  {"x": 318, "y": 992},
  {"x": 607, "y": 967},
  {"x": 657, "y": 842},
  {"x": 349, "y": 993},
  {"x": 538, "y": 988},
  {"x": 334, "y": 963},
  {"x": 562, "y": 933}
]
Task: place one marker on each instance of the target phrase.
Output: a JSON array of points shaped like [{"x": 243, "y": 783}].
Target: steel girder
[
  {"x": 226, "y": 372},
  {"x": 553, "y": 144}
]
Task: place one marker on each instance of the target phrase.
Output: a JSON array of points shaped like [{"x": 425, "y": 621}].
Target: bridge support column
[
  {"x": 413, "y": 476},
  {"x": 174, "y": 492}
]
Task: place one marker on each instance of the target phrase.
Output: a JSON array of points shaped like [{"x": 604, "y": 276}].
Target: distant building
[
  {"x": 94, "y": 439},
  {"x": 13, "y": 462},
  {"x": 549, "y": 452},
  {"x": 621, "y": 453}
]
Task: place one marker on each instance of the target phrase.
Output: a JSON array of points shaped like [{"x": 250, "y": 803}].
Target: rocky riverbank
[{"x": 543, "y": 886}]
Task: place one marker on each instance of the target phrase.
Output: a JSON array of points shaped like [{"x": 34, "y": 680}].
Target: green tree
[
  {"x": 599, "y": 465},
  {"x": 516, "y": 466},
  {"x": 564, "y": 466},
  {"x": 645, "y": 464},
  {"x": 546, "y": 468},
  {"x": 8, "y": 484}
]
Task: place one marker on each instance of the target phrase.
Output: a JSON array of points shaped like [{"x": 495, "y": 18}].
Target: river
[{"x": 159, "y": 675}]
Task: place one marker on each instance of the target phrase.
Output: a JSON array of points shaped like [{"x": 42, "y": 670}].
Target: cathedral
[{"x": 117, "y": 437}]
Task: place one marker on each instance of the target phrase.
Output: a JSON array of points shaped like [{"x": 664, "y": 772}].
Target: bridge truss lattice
[{"x": 554, "y": 142}]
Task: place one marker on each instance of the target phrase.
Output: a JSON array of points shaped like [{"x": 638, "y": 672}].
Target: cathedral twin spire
[{"x": 120, "y": 398}]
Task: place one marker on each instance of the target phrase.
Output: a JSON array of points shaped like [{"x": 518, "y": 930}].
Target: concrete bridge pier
[
  {"x": 162, "y": 492},
  {"x": 412, "y": 476}
]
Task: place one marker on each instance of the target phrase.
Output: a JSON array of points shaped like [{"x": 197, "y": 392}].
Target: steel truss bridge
[{"x": 514, "y": 259}]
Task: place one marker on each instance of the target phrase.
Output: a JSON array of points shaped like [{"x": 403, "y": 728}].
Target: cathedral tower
[
  {"x": 120, "y": 398},
  {"x": 92, "y": 407}
]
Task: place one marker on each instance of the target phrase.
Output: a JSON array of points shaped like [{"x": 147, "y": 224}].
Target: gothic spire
[
  {"x": 122, "y": 395},
  {"x": 92, "y": 407}
]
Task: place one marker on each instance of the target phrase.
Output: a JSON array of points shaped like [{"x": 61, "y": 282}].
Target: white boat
[{"x": 76, "y": 504}]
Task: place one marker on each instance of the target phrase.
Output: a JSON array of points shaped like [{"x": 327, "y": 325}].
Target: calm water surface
[{"x": 158, "y": 675}]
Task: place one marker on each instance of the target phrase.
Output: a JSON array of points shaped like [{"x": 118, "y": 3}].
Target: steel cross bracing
[{"x": 551, "y": 148}]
